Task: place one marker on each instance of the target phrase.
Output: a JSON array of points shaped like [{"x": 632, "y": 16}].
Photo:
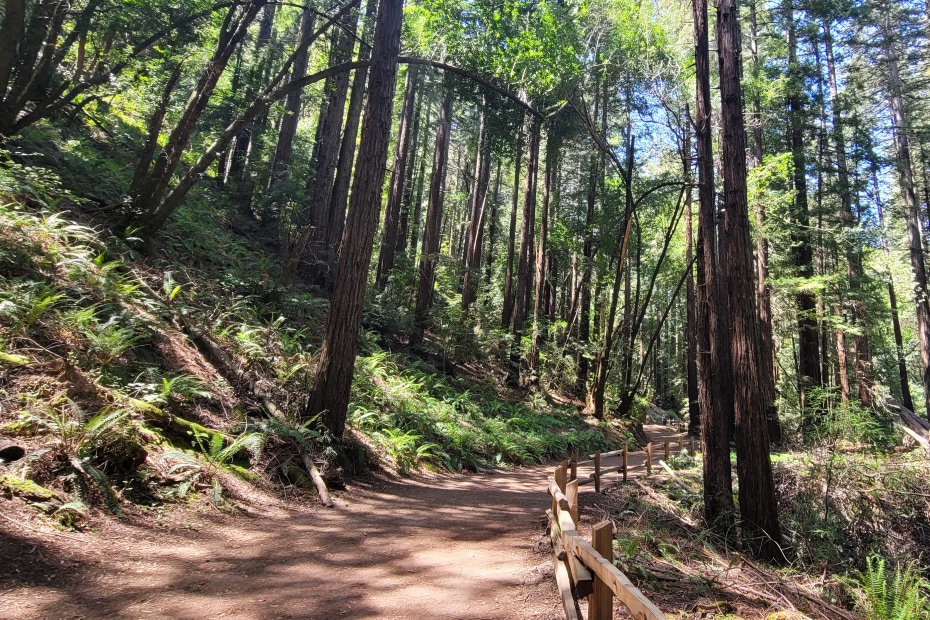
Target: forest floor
[{"x": 431, "y": 546}]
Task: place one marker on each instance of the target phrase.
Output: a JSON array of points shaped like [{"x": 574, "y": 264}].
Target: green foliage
[
  {"x": 202, "y": 468},
  {"x": 421, "y": 417},
  {"x": 903, "y": 596},
  {"x": 81, "y": 443}
]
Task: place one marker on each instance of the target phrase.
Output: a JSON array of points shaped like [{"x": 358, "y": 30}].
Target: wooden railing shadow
[{"x": 586, "y": 569}]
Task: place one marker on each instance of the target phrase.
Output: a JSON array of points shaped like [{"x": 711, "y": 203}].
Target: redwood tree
[{"x": 336, "y": 366}]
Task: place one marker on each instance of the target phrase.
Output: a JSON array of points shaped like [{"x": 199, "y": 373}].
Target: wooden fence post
[
  {"x": 625, "y": 462},
  {"x": 668, "y": 449},
  {"x": 600, "y": 604},
  {"x": 573, "y": 465},
  {"x": 649, "y": 458},
  {"x": 571, "y": 494},
  {"x": 691, "y": 446},
  {"x": 559, "y": 476},
  {"x": 681, "y": 444},
  {"x": 597, "y": 471}
]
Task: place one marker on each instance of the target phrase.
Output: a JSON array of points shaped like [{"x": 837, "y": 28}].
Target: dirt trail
[
  {"x": 434, "y": 547},
  {"x": 439, "y": 546}
]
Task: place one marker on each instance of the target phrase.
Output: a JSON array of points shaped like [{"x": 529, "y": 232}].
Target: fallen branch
[{"x": 227, "y": 367}]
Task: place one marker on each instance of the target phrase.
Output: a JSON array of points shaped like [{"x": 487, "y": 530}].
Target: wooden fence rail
[{"x": 583, "y": 569}]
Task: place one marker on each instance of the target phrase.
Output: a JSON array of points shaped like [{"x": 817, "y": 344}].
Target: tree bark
[
  {"x": 340, "y": 199},
  {"x": 333, "y": 382},
  {"x": 477, "y": 203},
  {"x": 432, "y": 229},
  {"x": 909, "y": 198},
  {"x": 314, "y": 234},
  {"x": 292, "y": 105},
  {"x": 525, "y": 262},
  {"x": 714, "y": 357},
  {"x": 848, "y": 216},
  {"x": 763, "y": 289},
  {"x": 540, "y": 297},
  {"x": 808, "y": 336},
  {"x": 507, "y": 314},
  {"x": 391, "y": 228},
  {"x": 691, "y": 354},
  {"x": 758, "y": 507}
]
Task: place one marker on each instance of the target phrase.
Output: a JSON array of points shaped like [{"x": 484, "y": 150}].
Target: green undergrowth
[
  {"x": 419, "y": 417},
  {"x": 101, "y": 381},
  {"x": 855, "y": 528}
]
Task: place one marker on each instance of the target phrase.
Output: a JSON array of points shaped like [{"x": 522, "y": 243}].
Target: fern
[{"x": 902, "y": 597}]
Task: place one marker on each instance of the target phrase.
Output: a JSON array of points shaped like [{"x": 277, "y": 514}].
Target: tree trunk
[
  {"x": 694, "y": 411},
  {"x": 853, "y": 255},
  {"x": 314, "y": 234},
  {"x": 391, "y": 228},
  {"x": 340, "y": 199},
  {"x": 582, "y": 358},
  {"x": 400, "y": 246},
  {"x": 333, "y": 382},
  {"x": 477, "y": 202},
  {"x": 292, "y": 105},
  {"x": 758, "y": 507},
  {"x": 808, "y": 336},
  {"x": 507, "y": 314},
  {"x": 909, "y": 198},
  {"x": 525, "y": 262},
  {"x": 432, "y": 229},
  {"x": 714, "y": 357},
  {"x": 540, "y": 297},
  {"x": 492, "y": 229},
  {"x": 763, "y": 289}
]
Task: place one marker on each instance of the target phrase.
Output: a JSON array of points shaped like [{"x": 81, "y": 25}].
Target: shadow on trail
[{"x": 443, "y": 547}]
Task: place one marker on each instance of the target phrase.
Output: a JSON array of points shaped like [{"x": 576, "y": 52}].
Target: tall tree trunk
[
  {"x": 292, "y": 105},
  {"x": 808, "y": 333},
  {"x": 906, "y": 398},
  {"x": 758, "y": 507},
  {"x": 694, "y": 411},
  {"x": 477, "y": 202},
  {"x": 390, "y": 231},
  {"x": 432, "y": 230},
  {"x": 540, "y": 297},
  {"x": 714, "y": 355},
  {"x": 582, "y": 357},
  {"x": 507, "y": 314},
  {"x": 522, "y": 292},
  {"x": 333, "y": 382},
  {"x": 763, "y": 289},
  {"x": 314, "y": 234},
  {"x": 848, "y": 217},
  {"x": 404, "y": 230},
  {"x": 340, "y": 199},
  {"x": 492, "y": 229},
  {"x": 909, "y": 198}
]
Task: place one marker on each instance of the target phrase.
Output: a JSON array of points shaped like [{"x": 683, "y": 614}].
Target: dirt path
[
  {"x": 435, "y": 547},
  {"x": 451, "y": 547}
]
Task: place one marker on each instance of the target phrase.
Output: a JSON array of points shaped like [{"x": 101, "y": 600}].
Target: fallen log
[{"x": 228, "y": 368}]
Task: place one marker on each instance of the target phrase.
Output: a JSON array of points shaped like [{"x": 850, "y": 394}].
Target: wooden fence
[{"x": 584, "y": 569}]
